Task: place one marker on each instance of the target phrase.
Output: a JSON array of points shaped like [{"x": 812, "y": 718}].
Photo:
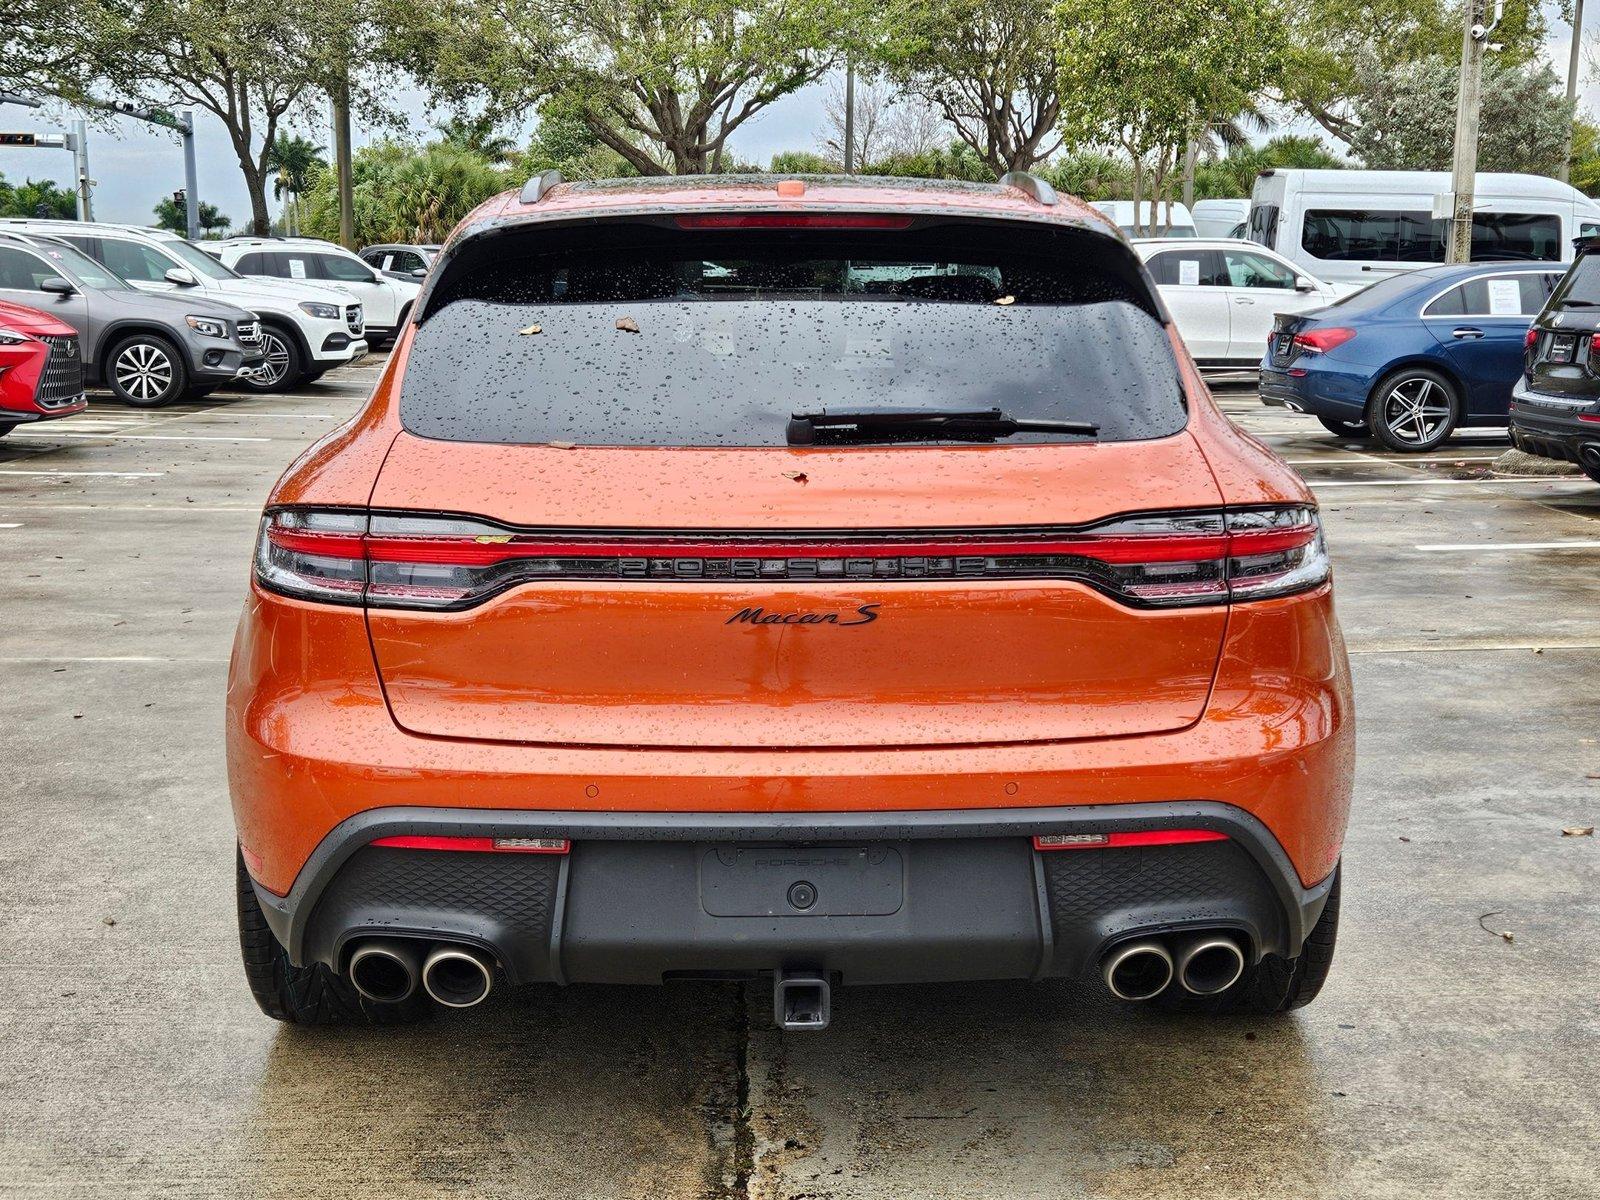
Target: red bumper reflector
[
  {"x": 1142, "y": 837},
  {"x": 1592, "y": 418},
  {"x": 512, "y": 845}
]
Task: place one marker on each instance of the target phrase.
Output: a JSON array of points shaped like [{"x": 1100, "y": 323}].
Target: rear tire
[
  {"x": 1275, "y": 984},
  {"x": 1414, "y": 410},
  {"x": 146, "y": 371},
  {"x": 1345, "y": 429},
  {"x": 310, "y": 995}
]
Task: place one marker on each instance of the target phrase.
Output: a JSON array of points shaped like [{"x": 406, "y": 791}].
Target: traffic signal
[
  {"x": 19, "y": 139},
  {"x": 180, "y": 197}
]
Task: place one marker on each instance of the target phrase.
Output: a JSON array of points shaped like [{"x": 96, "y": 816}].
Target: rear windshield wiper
[
  {"x": 1578, "y": 303},
  {"x": 981, "y": 424}
]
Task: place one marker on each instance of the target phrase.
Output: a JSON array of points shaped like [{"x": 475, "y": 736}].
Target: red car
[{"x": 41, "y": 368}]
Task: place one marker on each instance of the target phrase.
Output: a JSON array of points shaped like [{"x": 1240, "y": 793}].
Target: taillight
[
  {"x": 1158, "y": 560},
  {"x": 1530, "y": 338},
  {"x": 1320, "y": 341},
  {"x": 476, "y": 845},
  {"x": 790, "y": 220}
]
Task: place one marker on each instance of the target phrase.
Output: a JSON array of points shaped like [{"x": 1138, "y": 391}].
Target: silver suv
[
  {"x": 149, "y": 350},
  {"x": 307, "y": 328}
]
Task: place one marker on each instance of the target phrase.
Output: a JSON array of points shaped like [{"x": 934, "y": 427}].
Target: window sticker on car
[
  {"x": 297, "y": 268},
  {"x": 1505, "y": 298},
  {"x": 1189, "y": 272}
]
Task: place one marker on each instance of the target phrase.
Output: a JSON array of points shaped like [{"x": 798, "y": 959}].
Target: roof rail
[
  {"x": 1028, "y": 182},
  {"x": 539, "y": 186}
]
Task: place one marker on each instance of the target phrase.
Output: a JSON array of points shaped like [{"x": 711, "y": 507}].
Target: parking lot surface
[{"x": 1451, "y": 1054}]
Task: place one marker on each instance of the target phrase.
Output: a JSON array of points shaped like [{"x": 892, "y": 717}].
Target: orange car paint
[{"x": 314, "y": 738}]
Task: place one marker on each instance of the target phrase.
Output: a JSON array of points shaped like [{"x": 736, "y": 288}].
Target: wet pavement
[{"x": 1441, "y": 1060}]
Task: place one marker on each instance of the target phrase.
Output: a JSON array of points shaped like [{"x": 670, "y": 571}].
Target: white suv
[
  {"x": 306, "y": 329},
  {"x": 387, "y": 301}
]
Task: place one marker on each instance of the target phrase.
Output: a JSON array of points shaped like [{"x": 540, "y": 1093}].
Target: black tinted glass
[
  {"x": 1389, "y": 236},
  {"x": 715, "y": 339},
  {"x": 1581, "y": 285}
]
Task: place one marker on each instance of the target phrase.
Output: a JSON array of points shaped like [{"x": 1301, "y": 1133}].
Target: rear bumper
[
  {"x": 1321, "y": 392},
  {"x": 1555, "y": 430},
  {"x": 898, "y": 898}
]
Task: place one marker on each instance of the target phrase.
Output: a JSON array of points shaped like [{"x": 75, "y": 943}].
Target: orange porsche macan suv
[{"x": 822, "y": 581}]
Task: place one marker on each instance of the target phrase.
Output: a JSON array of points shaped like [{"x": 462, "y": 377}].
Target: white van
[
  {"x": 1219, "y": 218},
  {"x": 1357, "y": 227},
  {"x": 1168, "y": 220}
]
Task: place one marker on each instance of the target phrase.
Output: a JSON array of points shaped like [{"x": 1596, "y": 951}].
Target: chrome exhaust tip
[
  {"x": 1137, "y": 971},
  {"x": 385, "y": 970},
  {"x": 456, "y": 976},
  {"x": 1210, "y": 965}
]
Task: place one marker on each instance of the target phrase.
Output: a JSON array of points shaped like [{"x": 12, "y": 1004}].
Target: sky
[{"x": 135, "y": 164}]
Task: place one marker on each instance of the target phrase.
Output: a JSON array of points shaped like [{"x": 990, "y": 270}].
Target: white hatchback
[{"x": 1223, "y": 294}]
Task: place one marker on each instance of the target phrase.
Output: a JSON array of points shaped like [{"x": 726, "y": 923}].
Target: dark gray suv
[{"x": 148, "y": 350}]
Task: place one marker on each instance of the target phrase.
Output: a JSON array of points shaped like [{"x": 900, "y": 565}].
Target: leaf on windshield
[
  {"x": 530, "y": 331},
  {"x": 627, "y": 325},
  {"x": 1003, "y": 300}
]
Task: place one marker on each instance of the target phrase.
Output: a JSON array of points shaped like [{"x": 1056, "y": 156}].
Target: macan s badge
[{"x": 865, "y": 615}]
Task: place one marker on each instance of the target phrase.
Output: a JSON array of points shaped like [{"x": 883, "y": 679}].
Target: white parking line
[
  {"x": 1399, "y": 462},
  {"x": 40, "y": 436},
  {"x": 103, "y": 474},
  {"x": 12, "y": 506},
  {"x": 110, "y": 658},
  {"x": 10, "y": 524},
  {"x": 1491, "y": 547},
  {"x": 1349, "y": 483}
]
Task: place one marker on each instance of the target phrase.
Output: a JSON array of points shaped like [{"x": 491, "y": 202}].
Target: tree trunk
[{"x": 255, "y": 182}]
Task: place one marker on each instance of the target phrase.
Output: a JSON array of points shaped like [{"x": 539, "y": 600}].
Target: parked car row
[{"x": 41, "y": 368}]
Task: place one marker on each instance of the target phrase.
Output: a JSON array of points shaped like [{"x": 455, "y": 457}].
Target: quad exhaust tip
[
  {"x": 1138, "y": 971},
  {"x": 385, "y": 971},
  {"x": 457, "y": 977},
  {"x": 1210, "y": 965}
]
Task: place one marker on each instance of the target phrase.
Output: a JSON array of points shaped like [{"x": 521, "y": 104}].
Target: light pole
[
  {"x": 1572, "y": 85},
  {"x": 1474, "y": 38},
  {"x": 849, "y": 118}
]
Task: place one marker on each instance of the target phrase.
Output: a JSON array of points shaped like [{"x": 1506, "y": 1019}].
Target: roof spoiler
[
  {"x": 539, "y": 186},
  {"x": 1028, "y": 182}
]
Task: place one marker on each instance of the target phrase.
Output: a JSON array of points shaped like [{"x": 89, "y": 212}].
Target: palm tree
[
  {"x": 477, "y": 135},
  {"x": 295, "y": 159}
]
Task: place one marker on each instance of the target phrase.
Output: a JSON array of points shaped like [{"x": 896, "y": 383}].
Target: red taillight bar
[
  {"x": 1111, "y": 841},
  {"x": 479, "y": 552},
  {"x": 488, "y": 845},
  {"x": 783, "y": 220}
]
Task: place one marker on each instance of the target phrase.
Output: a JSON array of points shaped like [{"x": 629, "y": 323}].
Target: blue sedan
[{"x": 1413, "y": 357}]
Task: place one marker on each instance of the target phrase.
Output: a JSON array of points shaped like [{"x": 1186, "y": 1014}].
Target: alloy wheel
[
  {"x": 1417, "y": 411},
  {"x": 144, "y": 371},
  {"x": 272, "y": 372}
]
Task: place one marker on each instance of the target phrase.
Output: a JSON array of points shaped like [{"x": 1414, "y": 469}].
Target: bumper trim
[{"x": 290, "y": 915}]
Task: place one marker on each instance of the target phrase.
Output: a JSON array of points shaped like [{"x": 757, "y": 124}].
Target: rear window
[
  {"x": 649, "y": 336},
  {"x": 1580, "y": 287}
]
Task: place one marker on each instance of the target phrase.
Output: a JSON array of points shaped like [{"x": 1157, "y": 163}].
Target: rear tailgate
[{"x": 676, "y": 659}]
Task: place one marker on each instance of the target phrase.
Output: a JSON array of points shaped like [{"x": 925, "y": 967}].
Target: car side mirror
[
  {"x": 57, "y": 286},
  {"x": 420, "y": 273},
  {"x": 1302, "y": 284},
  {"x": 181, "y": 276}
]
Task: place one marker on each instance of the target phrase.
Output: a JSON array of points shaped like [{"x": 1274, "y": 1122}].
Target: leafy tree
[
  {"x": 802, "y": 162},
  {"x": 248, "y": 65},
  {"x": 1235, "y": 174},
  {"x": 39, "y": 47},
  {"x": 564, "y": 142},
  {"x": 662, "y": 83},
  {"x": 1407, "y": 118},
  {"x": 1327, "y": 42},
  {"x": 1091, "y": 175},
  {"x": 405, "y": 194},
  {"x": 34, "y": 198},
  {"x": 956, "y": 161},
  {"x": 1148, "y": 79},
  {"x": 477, "y": 135},
  {"x": 212, "y": 221},
  {"x": 1585, "y": 161},
  {"x": 294, "y": 159},
  {"x": 991, "y": 68}
]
